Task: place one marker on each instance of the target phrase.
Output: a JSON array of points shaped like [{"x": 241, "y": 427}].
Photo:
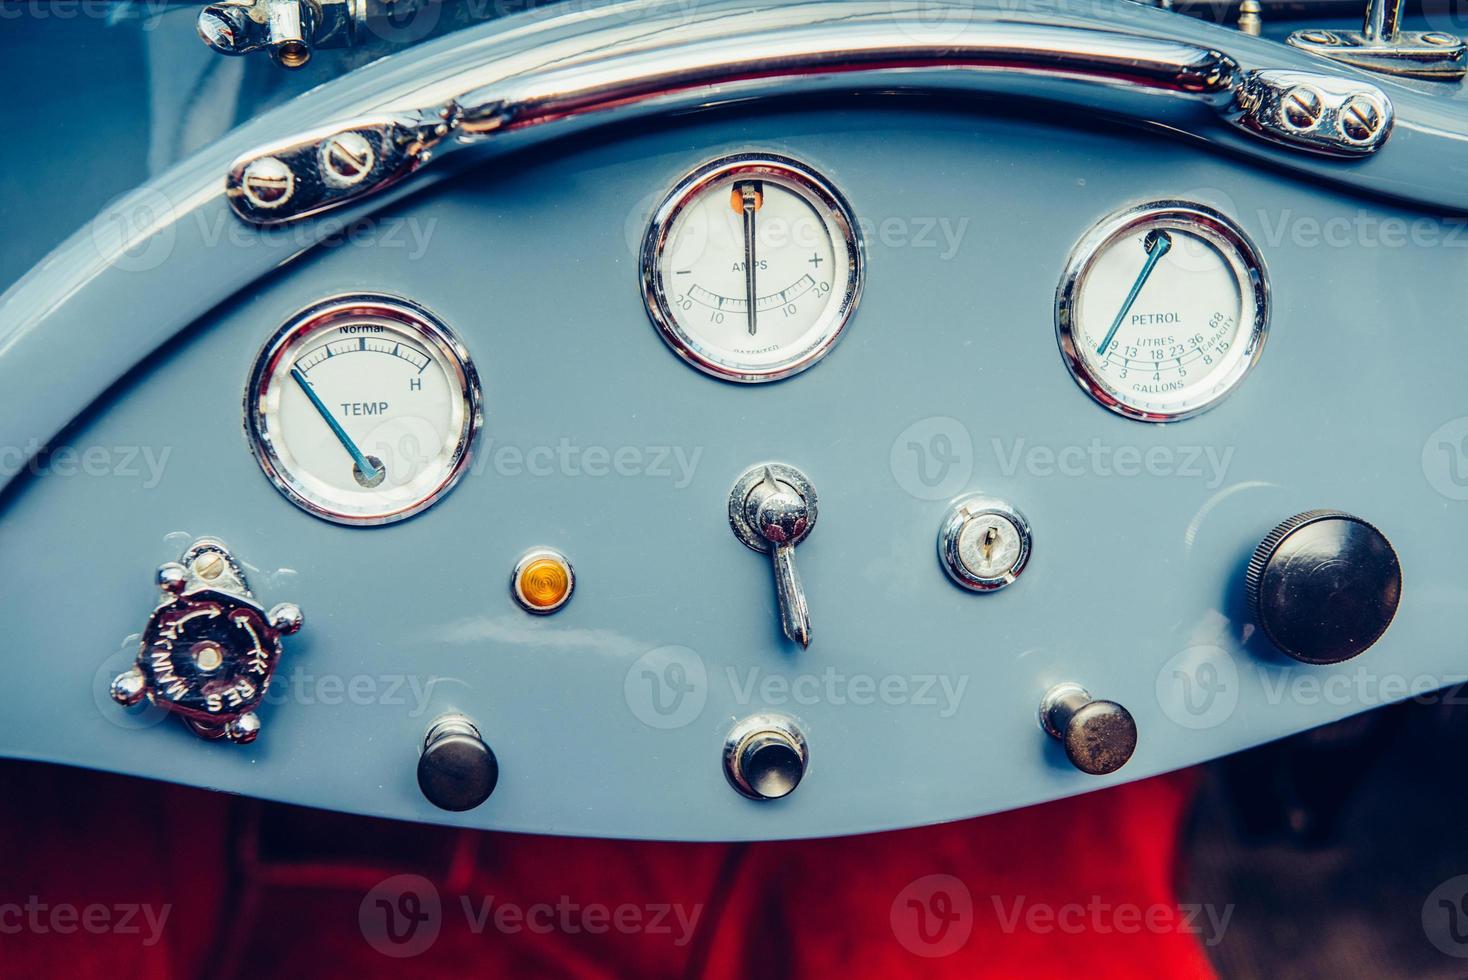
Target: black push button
[{"x": 456, "y": 771}]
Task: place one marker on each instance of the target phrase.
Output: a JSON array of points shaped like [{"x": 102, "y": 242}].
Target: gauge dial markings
[
  {"x": 714, "y": 301},
  {"x": 366, "y": 345}
]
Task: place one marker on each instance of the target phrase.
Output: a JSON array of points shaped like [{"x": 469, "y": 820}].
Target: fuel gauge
[
  {"x": 363, "y": 409},
  {"x": 1163, "y": 310}
]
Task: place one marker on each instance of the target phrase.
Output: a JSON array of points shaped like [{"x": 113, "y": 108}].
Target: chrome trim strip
[
  {"x": 630, "y": 69},
  {"x": 641, "y": 60}
]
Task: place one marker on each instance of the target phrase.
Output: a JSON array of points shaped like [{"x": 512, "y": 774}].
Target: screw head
[
  {"x": 209, "y": 565},
  {"x": 346, "y": 158},
  {"x": 1360, "y": 118},
  {"x": 267, "y": 182},
  {"x": 1440, "y": 38},
  {"x": 1300, "y": 108}
]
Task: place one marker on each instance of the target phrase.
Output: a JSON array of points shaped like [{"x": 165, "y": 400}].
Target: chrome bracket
[
  {"x": 289, "y": 29},
  {"x": 1381, "y": 47},
  {"x": 1335, "y": 116},
  {"x": 209, "y": 649},
  {"x": 326, "y": 168}
]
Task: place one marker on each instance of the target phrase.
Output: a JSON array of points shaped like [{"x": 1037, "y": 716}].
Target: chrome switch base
[
  {"x": 765, "y": 756},
  {"x": 209, "y": 649}
]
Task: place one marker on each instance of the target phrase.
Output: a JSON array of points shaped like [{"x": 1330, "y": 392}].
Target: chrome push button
[
  {"x": 765, "y": 757},
  {"x": 1099, "y": 737}
]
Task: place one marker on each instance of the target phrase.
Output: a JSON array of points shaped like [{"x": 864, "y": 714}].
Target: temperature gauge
[
  {"x": 363, "y": 409},
  {"x": 1163, "y": 310},
  {"x": 752, "y": 268}
]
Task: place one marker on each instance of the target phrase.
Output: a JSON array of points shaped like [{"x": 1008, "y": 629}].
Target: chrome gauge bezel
[
  {"x": 1242, "y": 257},
  {"x": 325, "y": 315},
  {"x": 840, "y": 225}
]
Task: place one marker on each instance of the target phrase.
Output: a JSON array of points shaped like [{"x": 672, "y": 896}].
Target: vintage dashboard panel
[{"x": 917, "y": 700}]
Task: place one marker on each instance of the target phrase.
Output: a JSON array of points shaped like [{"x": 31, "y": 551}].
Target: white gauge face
[
  {"x": 752, "y": 268},
  {"x": 1163, "y": 311},
  {"x": 363, "y": 409}
]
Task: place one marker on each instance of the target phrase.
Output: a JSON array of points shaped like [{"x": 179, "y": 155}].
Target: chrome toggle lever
[{"x": 771, "y": 509}]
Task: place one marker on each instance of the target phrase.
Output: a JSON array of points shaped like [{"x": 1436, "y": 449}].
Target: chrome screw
[
  {"x": 346, "y": 158},
  {"x": 267, "y": 182},
  {"x": 1301, "y": 108},
  {"x": 1360, "y": 119}
]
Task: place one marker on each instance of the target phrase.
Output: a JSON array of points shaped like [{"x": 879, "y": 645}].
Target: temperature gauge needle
[
  {"x": 750, "y": 194},
  {"x": 1157, "y": 247},
  {"x": 369, "y": 471}
]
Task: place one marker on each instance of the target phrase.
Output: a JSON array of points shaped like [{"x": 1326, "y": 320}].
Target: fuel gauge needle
[
  {"x": 369, "y": 471},
  {"x": 1160, "y": 242},
  {"x": 750, "y": 194}
]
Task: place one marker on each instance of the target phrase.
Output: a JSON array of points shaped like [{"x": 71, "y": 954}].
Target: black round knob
[
  {"x": 1324, "y": 586},
  {"x": 456, "y": 771}
]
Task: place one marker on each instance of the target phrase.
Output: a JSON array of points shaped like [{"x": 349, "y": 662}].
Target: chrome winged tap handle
[{"x": 209, "y": 649}]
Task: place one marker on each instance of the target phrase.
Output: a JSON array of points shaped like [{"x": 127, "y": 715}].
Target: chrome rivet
[
  {"x": 346, "y": 158},
  {"x": 172, "y": 577},
  {"x": 1438, "y": 37},
  {"x": 286, "y": 618},
  {"x": 765, "y": 756},
  {"x": 267, "y": 182},
  {"x": 1300, "y": 108},
  {"x": 1360, "y": 119},
  {"x": 129, "y": 687}
]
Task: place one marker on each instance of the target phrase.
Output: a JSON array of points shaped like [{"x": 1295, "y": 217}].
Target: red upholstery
[{"x": 259, "y": 890}]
